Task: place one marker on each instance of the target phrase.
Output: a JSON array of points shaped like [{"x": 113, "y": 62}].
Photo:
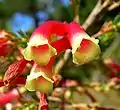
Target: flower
[
  {"x": 48, "y": 41},
  {"x": 84, "y": 48},
  {"x": 40, "y": 47},
  {"x": 40, "y": 78}
]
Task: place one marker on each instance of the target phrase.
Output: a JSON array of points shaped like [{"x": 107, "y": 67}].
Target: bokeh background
[{"x": 27, "y": 14}]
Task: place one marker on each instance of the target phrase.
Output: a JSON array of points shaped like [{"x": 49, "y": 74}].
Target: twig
[
  {"x": 107, "y": 27},
  {"x": 79, "y": 89},
  {"x": 76, "y": 10},
  {"x": 95, "y": 12},
  {"x": 62, "y": 61},
  {"x": 88, "y": 107},
  {"x": 113, "y": 6},
  {"x": 55, "y": 99},
  {"x": 80, "y": 105}
]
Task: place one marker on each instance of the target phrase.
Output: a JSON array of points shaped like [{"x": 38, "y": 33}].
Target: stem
[
  {"x": 95, "y": 12},
  {"x": 43, "y": 102},
  {"x": 113, "y": 6},
  {"x": 86, "y": 92},
  {"x": 76, "y": 10},
  {"x": 104, "y": 29},
  {"x": 62, "y": 61}
]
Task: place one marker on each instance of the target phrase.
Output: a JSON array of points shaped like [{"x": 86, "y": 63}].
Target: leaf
[
  {"x": 22, "y": 34},
  {"x": 116, "y": 21}
]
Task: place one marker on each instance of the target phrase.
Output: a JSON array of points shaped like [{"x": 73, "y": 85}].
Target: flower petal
[
  {"x": 50, "y": 27},
  {"x": 61, "y": 45}
]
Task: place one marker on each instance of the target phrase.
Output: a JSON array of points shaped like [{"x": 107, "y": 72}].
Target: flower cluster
[{"x": 45, "y": 44}]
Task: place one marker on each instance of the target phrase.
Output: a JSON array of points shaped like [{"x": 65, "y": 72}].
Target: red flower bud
[{"x": 14, "y": 71}]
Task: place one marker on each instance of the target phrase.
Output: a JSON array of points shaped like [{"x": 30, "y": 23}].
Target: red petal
[
  {"x": 61, "y": 45},
  {"x": 50, "y": 27},
  {"x": 85, "y": 45},
  {"x": 84, "y": 48},
  {"x": 74, "y": 28},
  {"x": 47, "y": 69}
]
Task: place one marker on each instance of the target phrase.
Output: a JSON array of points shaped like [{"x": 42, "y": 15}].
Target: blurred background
[
  {"x": 98, "y": 77},
  {"x": 27, "y": 14}
]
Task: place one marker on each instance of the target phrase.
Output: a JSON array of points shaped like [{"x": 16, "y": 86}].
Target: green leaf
[{"x": 116, "y": 21}]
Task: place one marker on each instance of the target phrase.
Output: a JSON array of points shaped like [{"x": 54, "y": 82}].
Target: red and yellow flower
[{"x": 84, "y": 48}]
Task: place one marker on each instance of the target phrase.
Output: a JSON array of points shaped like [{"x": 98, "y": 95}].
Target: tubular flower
[
  {"x": 40, "y": 78},
  {"x": 84, "y": 48},
  {"x": 39, "y": 48}
]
